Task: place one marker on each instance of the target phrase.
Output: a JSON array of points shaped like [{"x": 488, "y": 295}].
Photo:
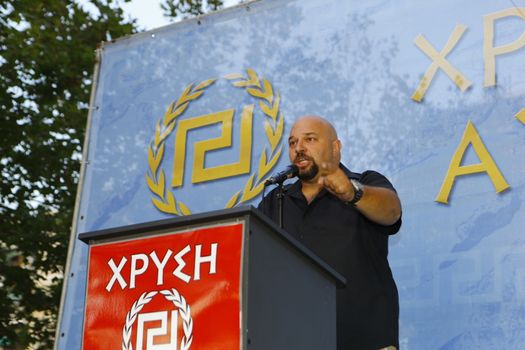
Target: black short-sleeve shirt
[{"x": 367, "y": 308}]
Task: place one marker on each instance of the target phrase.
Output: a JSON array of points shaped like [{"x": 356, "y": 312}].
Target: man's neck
[{"x": 310, "y": 190}]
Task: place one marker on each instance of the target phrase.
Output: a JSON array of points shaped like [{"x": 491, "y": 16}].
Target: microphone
[{"x": 279, "y": 178}]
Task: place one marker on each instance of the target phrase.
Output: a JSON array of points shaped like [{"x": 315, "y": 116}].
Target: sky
[{"x": 149, "y": 14}]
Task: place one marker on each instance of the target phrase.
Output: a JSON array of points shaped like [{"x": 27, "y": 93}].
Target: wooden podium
[{"x": 228, "y": 279}]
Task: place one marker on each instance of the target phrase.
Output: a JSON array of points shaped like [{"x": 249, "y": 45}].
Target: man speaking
[{"x": 345, "y": 218}]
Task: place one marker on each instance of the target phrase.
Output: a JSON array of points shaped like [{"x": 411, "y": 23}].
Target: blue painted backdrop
[{"x": 459, "y": 267}]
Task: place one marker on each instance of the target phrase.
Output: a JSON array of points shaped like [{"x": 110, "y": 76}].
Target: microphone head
[{"x": 294, "y": 171}]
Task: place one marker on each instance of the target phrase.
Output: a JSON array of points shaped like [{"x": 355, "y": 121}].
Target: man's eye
[{"x": 292, "y": 143}]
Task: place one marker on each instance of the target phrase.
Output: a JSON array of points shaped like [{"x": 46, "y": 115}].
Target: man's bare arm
[{"x": 380, "y": 205}]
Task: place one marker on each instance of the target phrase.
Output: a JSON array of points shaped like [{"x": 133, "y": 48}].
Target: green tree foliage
[
  {"x": 46, "y": 62},
  {"x": 189, "y": 8}
]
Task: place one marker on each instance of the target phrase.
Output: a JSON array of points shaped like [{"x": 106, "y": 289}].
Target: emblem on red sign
[{"x": 176, "y": 291}]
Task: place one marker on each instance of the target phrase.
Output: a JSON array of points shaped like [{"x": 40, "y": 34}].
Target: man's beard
[{"x": 310, "y": 173}]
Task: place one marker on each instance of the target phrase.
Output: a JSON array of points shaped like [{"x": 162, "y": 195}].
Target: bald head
[{"x": 319, "y": 123}]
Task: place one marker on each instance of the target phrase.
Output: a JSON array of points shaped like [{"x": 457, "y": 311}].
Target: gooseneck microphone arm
[{"x": 288, "y": 173}]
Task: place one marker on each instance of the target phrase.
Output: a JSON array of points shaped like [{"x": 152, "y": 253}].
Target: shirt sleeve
[{"x": 373, "y": 178}]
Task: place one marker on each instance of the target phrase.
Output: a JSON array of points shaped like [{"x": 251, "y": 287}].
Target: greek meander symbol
[
  {"x": 134, "y": 314},
  {"x": 162, "y": 317},
  {"x": 199, "y": 173},
  {"x": 163, "y": 198}
]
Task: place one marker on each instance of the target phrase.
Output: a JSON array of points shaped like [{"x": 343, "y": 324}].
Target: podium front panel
[{"x": 175, "y": 289}]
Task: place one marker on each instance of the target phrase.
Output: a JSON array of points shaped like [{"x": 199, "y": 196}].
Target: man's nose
[{"x": 299, "y": 146}]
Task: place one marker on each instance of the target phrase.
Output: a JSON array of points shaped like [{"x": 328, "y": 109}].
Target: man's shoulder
[
  {"x": 369, "y": 177},
  {"x": 287, "y": 188},
  {"x": 269, "y": 202}
]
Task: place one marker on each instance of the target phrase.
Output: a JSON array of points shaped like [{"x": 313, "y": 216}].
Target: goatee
[{"x": 309, "y": 174}]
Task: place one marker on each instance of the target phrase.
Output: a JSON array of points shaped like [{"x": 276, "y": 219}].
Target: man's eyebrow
[{"x": 312, "y": 133}]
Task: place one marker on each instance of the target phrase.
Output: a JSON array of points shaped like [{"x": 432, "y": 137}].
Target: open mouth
[{"x": 302, "y": 161}]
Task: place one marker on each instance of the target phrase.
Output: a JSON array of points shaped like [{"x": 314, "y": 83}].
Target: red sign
[{"x": 176, "y": 291}]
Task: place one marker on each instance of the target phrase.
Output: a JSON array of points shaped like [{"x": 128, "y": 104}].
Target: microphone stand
[
  {"x": 280, "y": 196},
  {"x": 279, "y": 179}
]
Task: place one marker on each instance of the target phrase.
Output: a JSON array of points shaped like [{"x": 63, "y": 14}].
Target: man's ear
[{"x": 336, "y": 150}]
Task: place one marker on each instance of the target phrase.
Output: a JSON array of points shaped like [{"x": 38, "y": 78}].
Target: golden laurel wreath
[{"x": 164, "y": 200}]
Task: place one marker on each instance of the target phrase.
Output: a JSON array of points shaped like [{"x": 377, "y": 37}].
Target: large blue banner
[{"x": 194, "y": 116}]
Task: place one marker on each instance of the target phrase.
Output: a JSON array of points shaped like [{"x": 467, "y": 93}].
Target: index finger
[{"x": 328, "y": 168}]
